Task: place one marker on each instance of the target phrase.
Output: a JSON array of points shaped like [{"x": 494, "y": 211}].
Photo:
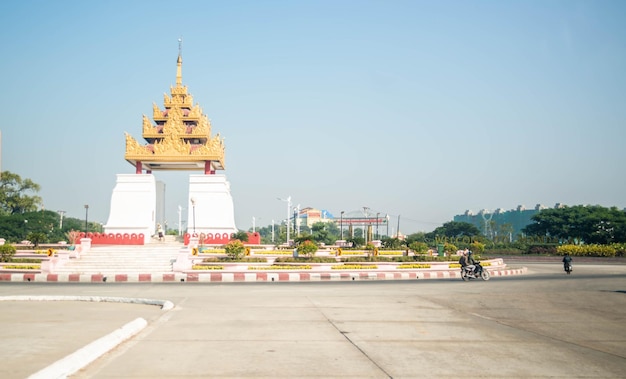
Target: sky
[{"x": 419, "y": 110}]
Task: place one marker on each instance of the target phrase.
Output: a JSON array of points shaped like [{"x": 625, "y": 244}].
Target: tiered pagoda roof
[{"x": 180, "y": 137}]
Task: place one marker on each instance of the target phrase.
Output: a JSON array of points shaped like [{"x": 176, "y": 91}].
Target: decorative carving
[
  {"x": 182, "y": 134},
  {"x": 148, "y": 128},
  {"x": 133, "y": 147}
]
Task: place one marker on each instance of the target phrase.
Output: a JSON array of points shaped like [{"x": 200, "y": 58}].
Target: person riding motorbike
[
  {"x": 467, "y": 262},
  {"x": 567, "y": 262}
]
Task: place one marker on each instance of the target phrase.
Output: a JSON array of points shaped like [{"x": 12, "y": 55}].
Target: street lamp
[
  {"x": 272, "y": 230},
  {"x": 61, "y": 213},
  {"x": 341, "y": 224},
  {"x": 377, "y": 214},
  {"x": 365, "y": 209},
  {"x": 253, "y": 224},
  {"x": 180, "y": 228},
  {"x": 86, "y": 214},
  {"x": 193, "y": 206},
  {"x": 387, "y": 219},
  {"x": 288, "y": 201}
]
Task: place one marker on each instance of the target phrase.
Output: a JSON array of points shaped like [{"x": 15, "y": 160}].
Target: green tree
[
  {"x": 454, "y": 229},
  {"x": 419, "y": 247},
  {"x": 582, "y": 224},
  {"x": 241, "y": 235},
  {"x": 416, "y": 237},
  {"x": 37, "y": 238},
  {"x": 391, "y": 243},
  {"x": 17, "y": 195},
  {"x": 325, "y": 232},
  {"x": 356, "y": 241}
]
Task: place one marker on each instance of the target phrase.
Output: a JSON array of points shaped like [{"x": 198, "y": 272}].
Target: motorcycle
[
  {"x": 479, "y": 272},
  {"x": 568, "y": 268}
]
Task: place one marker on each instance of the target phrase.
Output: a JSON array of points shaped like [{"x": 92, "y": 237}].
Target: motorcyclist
[
  {"x": 467, "y": 262},
  {"x": 471, "y": 263},
  {"x": 567, "y": 261}
]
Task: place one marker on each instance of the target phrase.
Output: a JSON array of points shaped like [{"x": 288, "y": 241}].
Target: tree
[
  {"x": 324, "y": 232},
  {"x": 454, "y": 229},
  {"x": 391, "y": 243},
  {"x": 356, "y": 241},
  {"x": 419, "y": 247},
  {"x": 582, "y": 224},
  {"x": 241, "y": 236},
  {"x": 14, "y": 194}
]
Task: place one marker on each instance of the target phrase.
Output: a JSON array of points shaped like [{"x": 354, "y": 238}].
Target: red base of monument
[{"x": 220, "y": 239}]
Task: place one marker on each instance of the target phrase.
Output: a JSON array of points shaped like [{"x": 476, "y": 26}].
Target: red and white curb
[{"x": 207, "y": 277}]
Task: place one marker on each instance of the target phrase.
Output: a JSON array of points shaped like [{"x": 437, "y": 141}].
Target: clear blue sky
[{"x": 422, "y": 109}]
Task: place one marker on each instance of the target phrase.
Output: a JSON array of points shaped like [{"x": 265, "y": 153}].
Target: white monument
[{"x": 178, "y": 140}]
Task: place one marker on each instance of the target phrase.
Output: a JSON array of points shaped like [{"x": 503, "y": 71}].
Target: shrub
[
  {"x": 419, "y": 247},
  {"x": 307, "y": 248},
  {"x": 6, "y": 253},
  {"x": 588, "y": 250},
  {"x": 449, "y": 248},
  {"x": 234, "y": 249},
  {"x": 477, "y": 247},
  {"x": 36, "y": 238},
  {"x": 72, "y": 236},
  {"x": 542, "y": 250}
]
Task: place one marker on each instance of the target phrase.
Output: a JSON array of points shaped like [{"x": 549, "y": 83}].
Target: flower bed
[
  {"x": 21, "y": 267},
  {"x": 412, "y": 266},
  {"x": 272, "y": 252},
  {"x": 207, "y": 267},
  {"x": 354, "y": 267},
  {"x": 280, "y": 267},
  {"x": 387, "y": 252},
  {"x": 204, "y": 250}
]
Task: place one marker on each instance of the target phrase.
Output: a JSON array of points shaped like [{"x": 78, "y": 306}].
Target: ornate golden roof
[{"x": 180, "y": 137}]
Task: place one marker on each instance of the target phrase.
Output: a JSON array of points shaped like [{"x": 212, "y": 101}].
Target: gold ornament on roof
[{"x": 178, "y": 133}]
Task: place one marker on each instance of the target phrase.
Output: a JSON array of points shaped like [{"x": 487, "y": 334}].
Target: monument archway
[{"x": 177, "y": 139}]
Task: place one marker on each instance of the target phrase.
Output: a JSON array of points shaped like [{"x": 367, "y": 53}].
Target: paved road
[{"x": 543, "y": 324}]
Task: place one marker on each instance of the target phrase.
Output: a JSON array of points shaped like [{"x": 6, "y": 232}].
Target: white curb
[{"x": 84, "y": 356}]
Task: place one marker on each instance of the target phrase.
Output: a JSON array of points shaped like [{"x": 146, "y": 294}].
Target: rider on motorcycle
[
  {"x": 467, "y": 262},
  {"x": 567, "y": 262}
]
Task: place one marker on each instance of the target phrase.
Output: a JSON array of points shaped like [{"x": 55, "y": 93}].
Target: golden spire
[
  {"x": 180, "y": 138},
  {"x": 179, "y": 64}
]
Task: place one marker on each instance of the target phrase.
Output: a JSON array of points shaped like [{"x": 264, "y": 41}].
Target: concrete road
[{"x": 541, "y": 325}]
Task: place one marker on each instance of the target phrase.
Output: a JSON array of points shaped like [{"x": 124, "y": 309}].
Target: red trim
[
  {"x": 220, "y": 239},
  {"x": 112, "y": 239}
]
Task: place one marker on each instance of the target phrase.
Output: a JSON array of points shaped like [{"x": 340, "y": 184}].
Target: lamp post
[
  {"x": 272, "y": 230},
  {"x": 288, "y": 201},
  {"x": 25, "y": 229},
  {"x": 193, "y": 213},
  {"x": 365, "y": 209},
  {"x": 180, "y": 227},
  {"x": 387, "y": 218},
  {"x": 377, "y": 214},
  {"x": 341, "y": 224},
  {"x": 253, "y": 224},
  {"x": 86, "y": 216}
]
